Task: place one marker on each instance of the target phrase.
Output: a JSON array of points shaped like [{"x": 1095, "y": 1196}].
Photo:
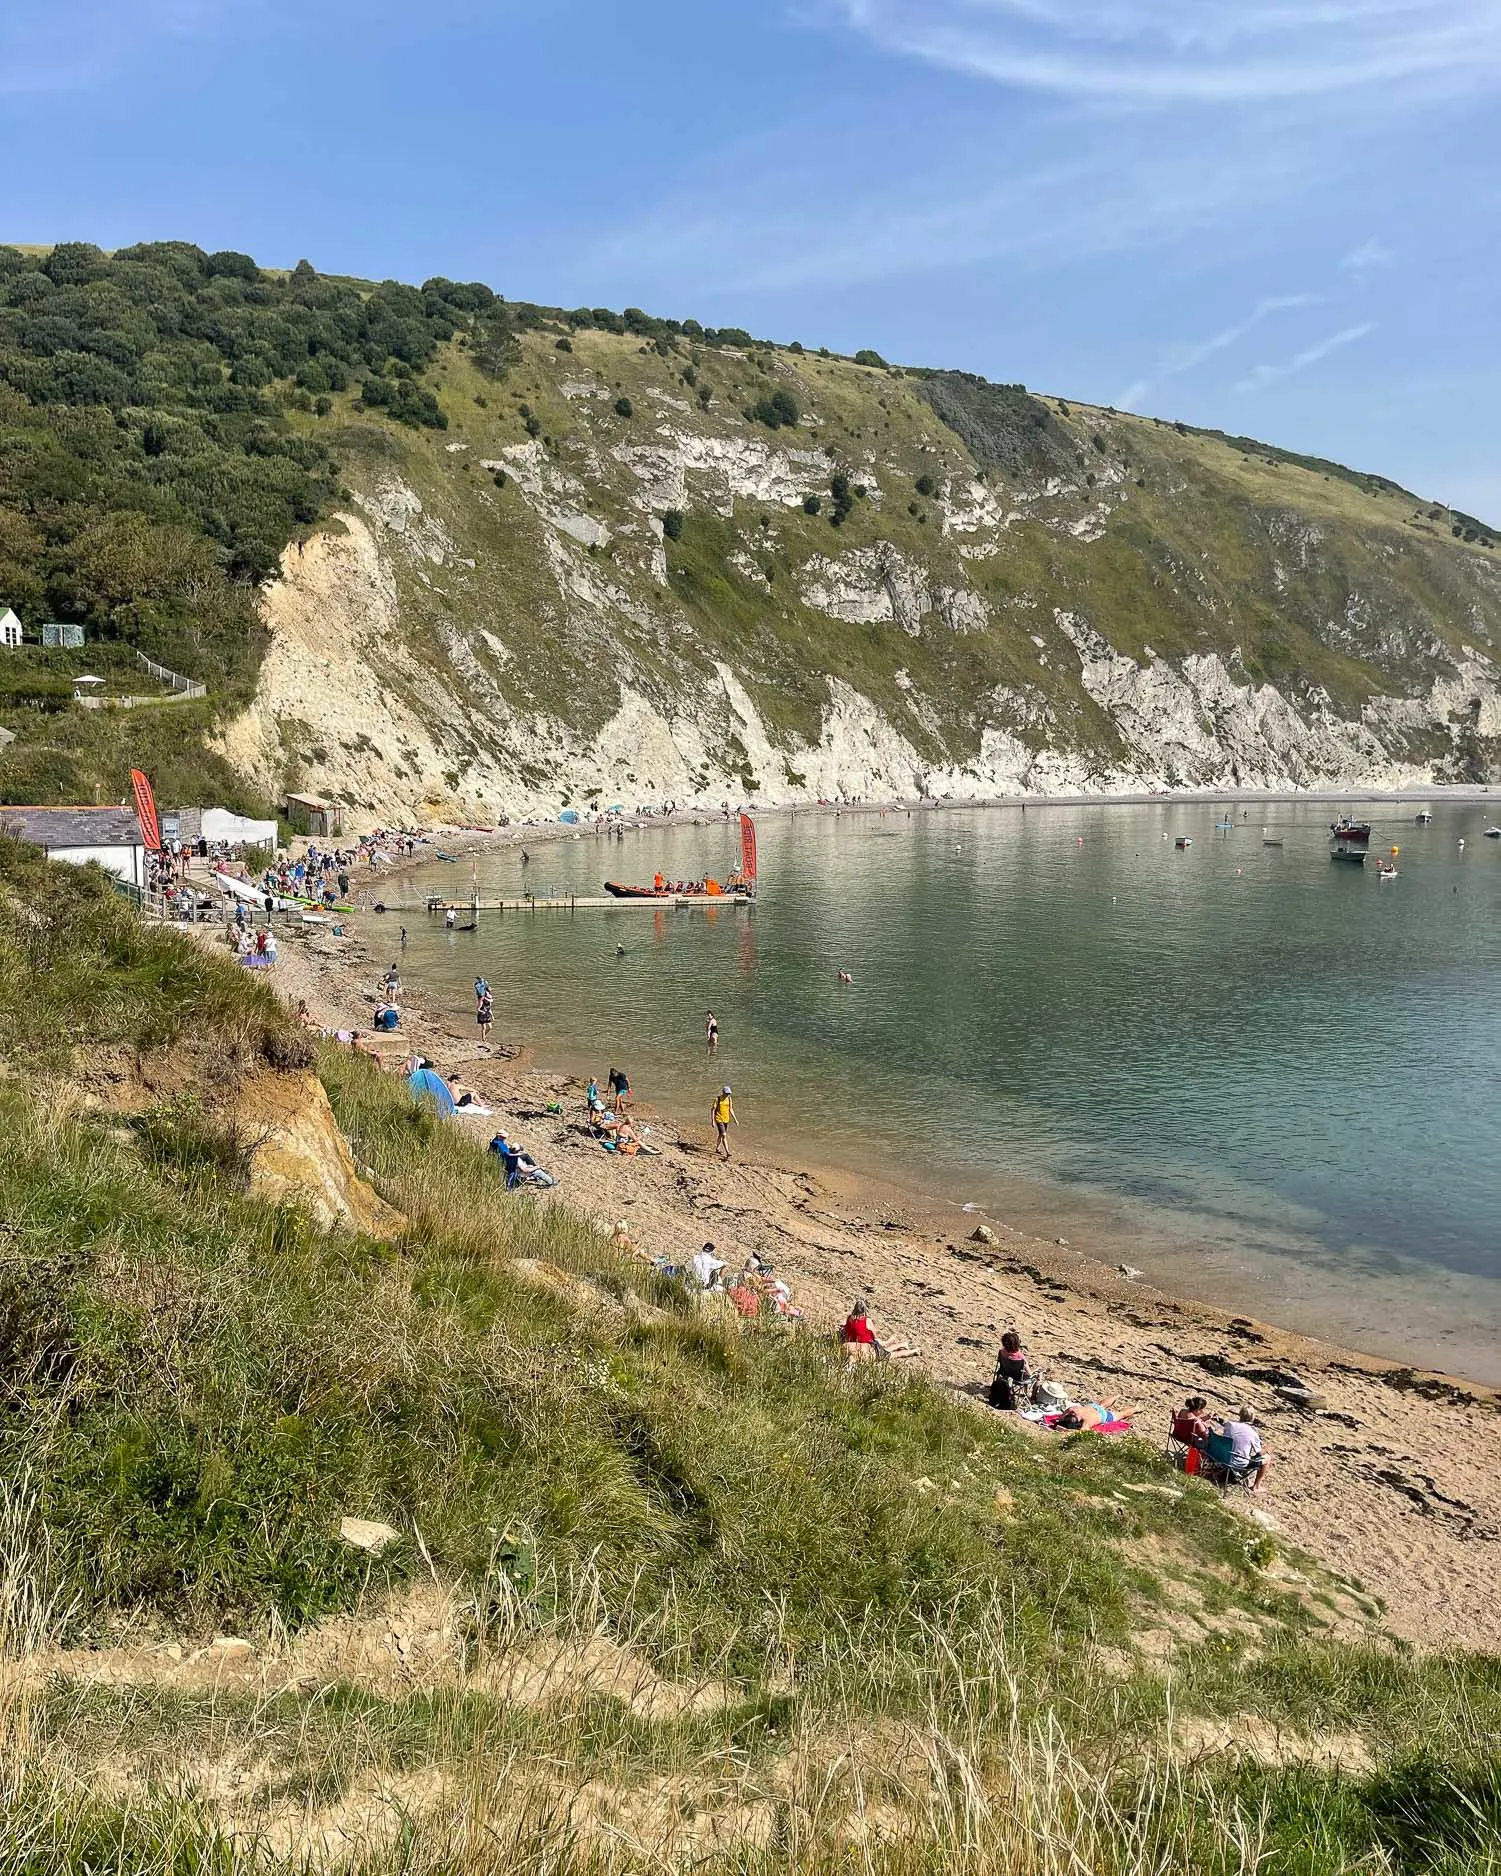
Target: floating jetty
[{"x": 569, "y": 902}]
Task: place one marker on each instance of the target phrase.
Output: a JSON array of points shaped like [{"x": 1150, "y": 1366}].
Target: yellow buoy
[{"x": 1395, "y": 852}]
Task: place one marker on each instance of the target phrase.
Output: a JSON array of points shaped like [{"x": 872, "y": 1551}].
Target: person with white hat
[{"x": 723, "y": 1115}]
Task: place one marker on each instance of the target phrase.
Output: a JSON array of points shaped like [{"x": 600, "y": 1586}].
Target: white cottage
[
  {"x": 110, "y": 837},
  {"x": 10, "y": 630}
]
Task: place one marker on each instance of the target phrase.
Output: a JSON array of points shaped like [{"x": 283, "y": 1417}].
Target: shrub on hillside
[
  {"x": 924, "y": 485},
  {"x": 624, "y": 407},
  {"x": 777, "y": 410},
  {"x": 672, "y": 524},
  {"x": 867, "y": 357}
]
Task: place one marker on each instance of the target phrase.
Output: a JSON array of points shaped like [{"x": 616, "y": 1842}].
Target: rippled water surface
[{"x": 1266, "y": 1075}]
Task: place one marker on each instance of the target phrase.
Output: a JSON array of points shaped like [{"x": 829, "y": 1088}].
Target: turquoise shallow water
[{"x": 1261, "y": 1076}]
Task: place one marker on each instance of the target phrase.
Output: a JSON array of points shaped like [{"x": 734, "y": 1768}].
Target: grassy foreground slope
[
  {"x": 666, "y": 1587},
  {"x": 579, "y": 512}
]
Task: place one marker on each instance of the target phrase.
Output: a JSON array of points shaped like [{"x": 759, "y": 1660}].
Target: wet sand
[{"x": 1389, "y": 1475}]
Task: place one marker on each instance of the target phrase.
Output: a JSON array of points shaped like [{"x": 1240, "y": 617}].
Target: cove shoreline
[
  {"x": 1391, "y": 1307},
  {"x": 1391, "y": 1473}
]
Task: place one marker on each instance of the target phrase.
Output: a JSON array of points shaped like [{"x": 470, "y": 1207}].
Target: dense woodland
[{"x": 149, "y": 478}]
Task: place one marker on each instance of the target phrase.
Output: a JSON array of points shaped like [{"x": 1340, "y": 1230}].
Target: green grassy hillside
[
  {"x": 660, "y": 1578},
  {"x": 958, "y": 561}
]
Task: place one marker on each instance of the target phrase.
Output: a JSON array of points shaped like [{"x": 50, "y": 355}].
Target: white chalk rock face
[{"x": 514, "y": 630}]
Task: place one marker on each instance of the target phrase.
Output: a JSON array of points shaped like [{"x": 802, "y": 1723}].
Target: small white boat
[
  {"x": 1183, "y": 843},
  {"x": 1493, "y": 833},
  {"x": 1424, "y": 817},
  {"x": 1387, "y": 871}
]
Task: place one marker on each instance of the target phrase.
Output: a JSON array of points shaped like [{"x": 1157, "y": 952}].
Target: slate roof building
[{"x": 109, "y": 836}]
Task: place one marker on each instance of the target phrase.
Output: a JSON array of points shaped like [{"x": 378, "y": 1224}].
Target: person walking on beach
[
  {"x": 723, "y": 1115},
  {"x": 484, "y": 1015},
  {"x": 403, "y": 937},
  {"x": 620, "y": 1089},
  {"x": 711, "y": 1030}
]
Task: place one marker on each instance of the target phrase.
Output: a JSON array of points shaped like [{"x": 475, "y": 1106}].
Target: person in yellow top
[{"x": 724, "y": 1119}]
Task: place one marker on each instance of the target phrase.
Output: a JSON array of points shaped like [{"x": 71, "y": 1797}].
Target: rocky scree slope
[{"x": 634, "y": 570}]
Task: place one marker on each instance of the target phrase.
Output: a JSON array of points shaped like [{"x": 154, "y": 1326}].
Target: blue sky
[{"x": 1275, "y": 216}]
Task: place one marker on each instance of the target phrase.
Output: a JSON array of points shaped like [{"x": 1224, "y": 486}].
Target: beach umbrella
[{"x": 427, "y": 1081}]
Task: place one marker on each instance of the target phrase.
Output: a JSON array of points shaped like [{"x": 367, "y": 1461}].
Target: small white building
[
  {"x": 10, "y": 630},
  {"x": 109, "y": 836}
]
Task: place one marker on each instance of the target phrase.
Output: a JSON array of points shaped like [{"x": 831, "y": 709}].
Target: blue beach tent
[
  {"x": 569, "y": 817},
  {"x": 427, "y": 1081}
]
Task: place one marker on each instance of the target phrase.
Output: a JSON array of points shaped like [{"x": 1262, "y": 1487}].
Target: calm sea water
[{"x": 1262, "y": 1077}]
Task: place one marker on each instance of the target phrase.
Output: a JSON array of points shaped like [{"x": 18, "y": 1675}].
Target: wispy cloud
[
  {"x": 71, "y": 45},
  {"x": 1369, "y": 258},
  {"x": 1162, "y": 50},
  {"x": 1037, "y": 201},
  {"x": 1270, "y": 374},
  {"x": 1178, "y": 359}
]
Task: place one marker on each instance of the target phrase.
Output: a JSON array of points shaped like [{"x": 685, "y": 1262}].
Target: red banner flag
[
  {"x": 748, "y": 848},
  {"x": 151, "y": 833}
]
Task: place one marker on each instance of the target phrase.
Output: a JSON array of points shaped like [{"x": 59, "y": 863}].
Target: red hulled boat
[{"x": 741, "y": 884}]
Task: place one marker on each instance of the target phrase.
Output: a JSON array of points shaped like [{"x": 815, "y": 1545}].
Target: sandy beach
[{"x": 1391, "y": 1476}]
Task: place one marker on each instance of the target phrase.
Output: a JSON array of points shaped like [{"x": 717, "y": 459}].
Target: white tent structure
[{"x": 237, "y": 829}]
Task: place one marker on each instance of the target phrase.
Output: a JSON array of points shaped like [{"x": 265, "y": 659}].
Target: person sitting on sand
[
  {"x": 705, "y": 1267},
  {"x": 1013, "y": 1377},
  {"x": 519, "y": 1166},
  {"x": 1191, "y": 1422},
  {"x": 359, "y": 1046},
  {"x": 305, "y": 1016},
  {"x": 1085, "y": 1415},
  {"x": 1237, "y": 1447},
  {"x": 748, "y": 1293},
  {"x": 861, "y": 1343}
]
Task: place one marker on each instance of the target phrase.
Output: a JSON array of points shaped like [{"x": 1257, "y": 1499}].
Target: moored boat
[
  {"x": 740, "y": 887},
  {"x": 1346, "y": 829},
  {"x": 1493, "y": 833},
  {"x": 1354, "y": 856},
  {"x": 1424, "y": 817},
  {"x": 1183, "y": 843}
]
